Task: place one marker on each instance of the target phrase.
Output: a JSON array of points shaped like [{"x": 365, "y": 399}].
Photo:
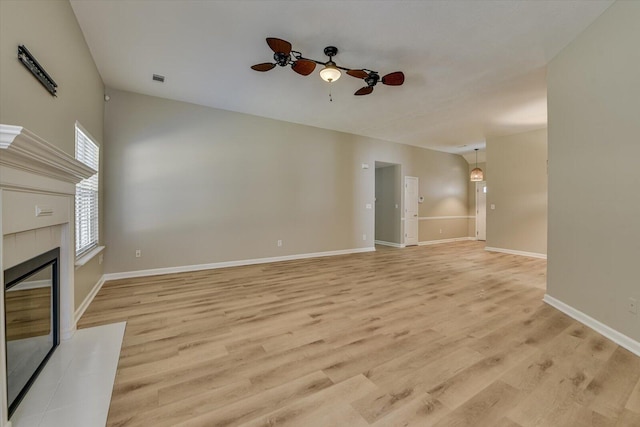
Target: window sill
[{"x": 88, "y": 256}]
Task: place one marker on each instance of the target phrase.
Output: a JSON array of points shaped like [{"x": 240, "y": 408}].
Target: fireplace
[
  {"x": 37, "y": 256},
  {"x": 32, "y": 325}
]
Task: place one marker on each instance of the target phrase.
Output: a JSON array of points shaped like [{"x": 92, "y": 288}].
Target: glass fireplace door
[{"x": 31, "y": 322}]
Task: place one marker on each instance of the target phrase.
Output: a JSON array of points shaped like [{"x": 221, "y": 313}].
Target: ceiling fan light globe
[{"x": 330, "y": 73}]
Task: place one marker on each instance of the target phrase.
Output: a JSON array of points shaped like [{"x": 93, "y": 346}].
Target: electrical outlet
[
  {"x": 279, "y": 243},
  {"x": 364, "y": 237},
  {"x": 138, "y": 253},
  {"x": 441, "y": 231},
  {"x": 633, "y": 306},
  {"x": 100, "y": 259}
]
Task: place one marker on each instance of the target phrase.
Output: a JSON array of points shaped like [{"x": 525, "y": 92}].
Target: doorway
[
  {"x": 388, "y": 202},
  {"x": 410, "y": 210},
  {"x": 481, "y": 210}
]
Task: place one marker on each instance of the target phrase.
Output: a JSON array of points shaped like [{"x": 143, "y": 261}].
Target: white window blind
[{"x": 87, "y": 152}]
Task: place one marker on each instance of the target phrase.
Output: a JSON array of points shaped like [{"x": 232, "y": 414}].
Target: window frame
[{"x": 91, "y": 184}]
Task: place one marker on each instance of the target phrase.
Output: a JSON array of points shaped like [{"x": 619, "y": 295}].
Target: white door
[
  {"x": 481, "y": 210},
  {"x": 410, "y": 210}
]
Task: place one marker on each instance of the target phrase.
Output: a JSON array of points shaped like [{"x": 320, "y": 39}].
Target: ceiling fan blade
[
  {"x": 303, "y": 67},
  {"x": 266, "y": 66},
  {"x": 393, "y": 79},
  {"x": 358, "y": 74},
  {"x": 279, "y": 46},
  {"x": 364, "y": 91}
]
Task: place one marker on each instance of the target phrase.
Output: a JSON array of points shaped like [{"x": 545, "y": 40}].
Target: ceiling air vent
[{"x": 158, "y": 78}]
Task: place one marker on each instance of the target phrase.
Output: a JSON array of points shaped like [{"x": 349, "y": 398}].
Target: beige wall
[
  {"x": 517, "y": 187},
  {"x": 594, "y": 150},
  {"x": 442, "y": 229},
  {"x": 193, "y": 185},
  {"x": 388, "y": 204},
  {"x": 48, "y": 28}
]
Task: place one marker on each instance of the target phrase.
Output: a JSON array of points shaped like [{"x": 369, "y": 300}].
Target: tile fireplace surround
[{"x": 37, "y": 189}]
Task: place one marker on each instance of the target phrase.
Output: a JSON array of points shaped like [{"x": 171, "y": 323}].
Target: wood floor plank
[
  {"x": 609, "y": 391},
  {"x": 633, "y": 404},
  {"x": 396, "y": 389},
  {"x": 462, "y": 337},
  {"x": 258, "y": 405},
  {"x": 418, "y": 410},
  {"x": 327, "y": 407},
  {"x": 484, "y": 408},
  {"x": 628, "y": 419}
]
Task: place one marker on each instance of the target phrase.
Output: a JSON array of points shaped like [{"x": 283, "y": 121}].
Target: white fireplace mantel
[
  {"x": 21, "y": 149},
  {"x": 37, "y": 195}
]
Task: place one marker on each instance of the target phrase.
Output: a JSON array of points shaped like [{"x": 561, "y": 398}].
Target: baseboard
[
  {"x": 615, "y": 336},
  {"x": 512, "y": 252},
  {"x": 392, "y": 244},
  {"x": 197, "y": 267},
  {"x": 427, "y": 218},
  {"x": 87, "y": 300},
  {"x": 436, "y": 242}
]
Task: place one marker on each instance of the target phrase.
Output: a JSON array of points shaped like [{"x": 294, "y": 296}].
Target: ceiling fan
[{"x": 283, "y": 55}]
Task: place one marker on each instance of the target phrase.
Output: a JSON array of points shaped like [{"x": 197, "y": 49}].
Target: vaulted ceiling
[{"x": 474, "y": 69}]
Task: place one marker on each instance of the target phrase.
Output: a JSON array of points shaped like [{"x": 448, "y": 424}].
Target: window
[{"x": 87, "y": 152}]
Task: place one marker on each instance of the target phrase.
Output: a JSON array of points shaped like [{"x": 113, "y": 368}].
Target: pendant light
[
  {"x": 330, "y": 72},
  {"x": 476, "y": 173}
]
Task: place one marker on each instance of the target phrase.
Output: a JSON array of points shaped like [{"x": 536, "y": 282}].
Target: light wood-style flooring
[{"x": 442, "y": 335}]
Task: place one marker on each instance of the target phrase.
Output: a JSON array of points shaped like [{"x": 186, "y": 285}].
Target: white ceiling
[{"x": 474, "y": 69}]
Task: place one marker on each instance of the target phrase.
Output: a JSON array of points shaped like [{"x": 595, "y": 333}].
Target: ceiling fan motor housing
[
  {"x": 282, "y": 59},
  {"x": 372, "y": 79},
  {"x": 330, "y": 51}
]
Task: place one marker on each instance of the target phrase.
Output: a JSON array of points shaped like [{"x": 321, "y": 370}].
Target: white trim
[
  {"x": 392, "y": 244},
  {"x": 215, "y": 265},
  {"x": 24, "y": 150},
  {"x": 615, "y": 336},
  {"x": 513, "y": 252},
  {"x": 88, "y": 256},
  {"x": 87, "y": 300},
  {"x": 426, "y": 218},
  {"x": 436, "y": 242}
]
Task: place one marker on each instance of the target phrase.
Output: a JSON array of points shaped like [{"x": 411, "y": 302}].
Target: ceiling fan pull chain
[{"x": 330, "y": 98}]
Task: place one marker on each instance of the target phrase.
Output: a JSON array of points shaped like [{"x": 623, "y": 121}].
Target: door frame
[
  {"x": 479, "y": 185},
  {"x": 398, "y": 221},
  {"x": 406, "y": 219}
]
